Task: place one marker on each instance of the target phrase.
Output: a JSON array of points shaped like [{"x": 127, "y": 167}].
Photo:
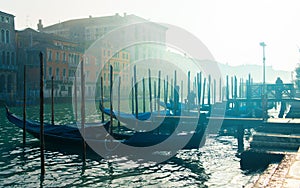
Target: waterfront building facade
[
  {"x": 8, "y": 64},
  {"x": 87, "y": 31},
  {"x": 60, "y": 55}
]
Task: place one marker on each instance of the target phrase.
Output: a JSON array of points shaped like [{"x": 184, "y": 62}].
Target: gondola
[
  {"x": 161, "y": 125},
  {"x": 142, "y": 116},
  {"x": 67, "y": 134},
  {"x": 149, "y": 117},
  {"x": 96, "y": 133}
]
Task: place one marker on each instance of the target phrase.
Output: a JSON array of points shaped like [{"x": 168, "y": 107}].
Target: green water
[{"x": 214, "y": 165}]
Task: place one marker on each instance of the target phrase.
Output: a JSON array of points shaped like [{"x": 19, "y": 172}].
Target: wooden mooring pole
[
  {"x": 102, "y": 98},
  {"x": 235, "y": 87},
  {"x": 24, "y": 107},
  {"x": 188, "y": 90},
  {"x": 203, "y": 95},
  {"x": 220, "y": 89},
  {"x": 119, "y": 101},
  {"x": 154, "y": 95},
  {"x": 75, "y": 95},
  {"x": 165, "y": 94},
  {"x": 199, "y": 80},
  {"x": 171, "y": 89},
  {"x": 158, "y": 92},
  {"x": 197, "y": 92},
  {"x": 209, "y": 91},
  {"x": 42, "y": 140},
  {"x": 167, "y": 91},
  {"x": 83, "y": 112},
  {"x": 181, "y": 93},
  {"x": 240, "y": 138},
  {"x": 227, "y": 88},
  {"x": 111, "y": 100},
  {"x": 150, "y": 91},
  {"x": 52, "y": 100},
  {"x": 175, "y": 94},
  {"x": 136, "y": 94},
  {"x": 132, "y": 96},
  {"x": 144, "y": 96},
  {"x": 215, "y": 91}
]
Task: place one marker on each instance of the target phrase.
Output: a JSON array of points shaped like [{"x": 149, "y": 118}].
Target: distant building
[
  {"x": 119, "y": 61},
  {"x": 8, "y": 65},
  {"x": 86, "y": 31},
  {"x": 61, "y": 57}
]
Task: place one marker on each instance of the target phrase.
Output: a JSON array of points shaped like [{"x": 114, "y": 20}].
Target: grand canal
[{"x": 214, "y": 165}]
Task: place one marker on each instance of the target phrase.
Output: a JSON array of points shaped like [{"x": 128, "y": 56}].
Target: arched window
[
  {"x": 3, "y": 57},
  {"x": 7, "y": 36},
  {"x": 2, "y": 36},
  {"x": 7, "y": 58},
  {"x": 13, "y": 58}
]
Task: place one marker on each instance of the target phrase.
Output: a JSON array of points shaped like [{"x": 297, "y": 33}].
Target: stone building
[
  {"x": 87, "y": 31},
  {"x": 61, "y": 57},
  {"x": 8, "y": 64}
]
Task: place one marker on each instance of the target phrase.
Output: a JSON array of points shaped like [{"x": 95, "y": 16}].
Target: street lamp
[{"x": 264, "y": 82}]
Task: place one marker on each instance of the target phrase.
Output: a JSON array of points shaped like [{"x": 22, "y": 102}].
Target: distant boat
[
  {"x": 96, "y": 133},
  {"x": 128, "y": 118},
  {"x": 142, "y": 116}
]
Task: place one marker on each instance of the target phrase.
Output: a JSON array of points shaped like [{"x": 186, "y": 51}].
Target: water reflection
[{"x": 214, "y": 165}]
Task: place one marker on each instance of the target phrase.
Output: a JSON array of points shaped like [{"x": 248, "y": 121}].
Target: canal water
[{"x": 214, "y": 165}]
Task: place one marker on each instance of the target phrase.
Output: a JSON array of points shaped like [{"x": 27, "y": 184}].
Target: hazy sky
[{"x": 231, "y": 29}]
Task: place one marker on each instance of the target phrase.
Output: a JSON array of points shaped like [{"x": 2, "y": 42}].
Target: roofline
[
  {"x": 53, "y": 36},
  {"x": 7, "y": 14},
  {"x": 143, "y": 20}
]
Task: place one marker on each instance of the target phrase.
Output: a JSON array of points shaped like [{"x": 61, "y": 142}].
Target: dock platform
[{"x": 284, "y": 174}]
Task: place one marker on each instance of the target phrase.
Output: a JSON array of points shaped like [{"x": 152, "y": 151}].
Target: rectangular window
[
  {"x": 57, "y": 56},
  {"x": 64, "y": 57},
  {"x": 3, "y": 57},
  {"x": 57, "y": 74},
  {"x": 2, "y": 35},
  {"x": 49, "y": 55},
  {"x": 64, "y": 72},
  {"x": 87, "y": 75},
  {"x": 50, "y": 72},
  {"x": 7, "y": 36},
  {"x": 12, "y": 59},
  {"x": 8, "y": 58}
]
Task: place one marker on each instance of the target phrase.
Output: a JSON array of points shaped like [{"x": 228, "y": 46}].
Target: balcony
[{"x": 9, "y": 67}]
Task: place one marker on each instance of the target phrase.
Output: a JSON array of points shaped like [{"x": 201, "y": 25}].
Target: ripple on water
[{"x": 214, "y": 165}]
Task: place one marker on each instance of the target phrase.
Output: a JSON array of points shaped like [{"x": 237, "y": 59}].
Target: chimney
[
  {"x": 40, "y": 25},
  {"x": 90, "y": 16},
  {"x": 117, "y": 14},
  {"x": 125, "y": 14}
]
